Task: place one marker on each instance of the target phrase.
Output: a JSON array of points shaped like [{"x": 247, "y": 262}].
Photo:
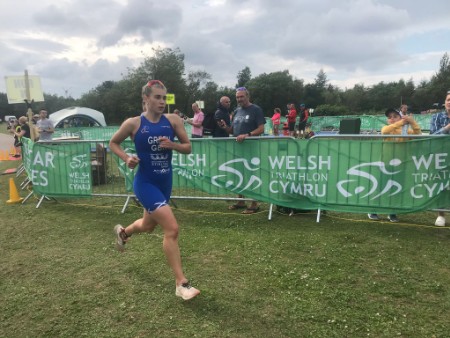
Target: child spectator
[
  {"x": 308, "y": 131},
  {"x": 276, "y": 117},
  {"x": 395, "y": 125}
]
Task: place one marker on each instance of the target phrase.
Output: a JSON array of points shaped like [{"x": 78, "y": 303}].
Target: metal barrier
[
  {"x": 369, "y": 123},
  {"x": 394, "y": 151},
  {"x": 331, "y": 172}
]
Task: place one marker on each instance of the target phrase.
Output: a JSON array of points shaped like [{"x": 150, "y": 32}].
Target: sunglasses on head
[
  {"x": 153, "y": 82},
  {"x": 241, "y": 89}
]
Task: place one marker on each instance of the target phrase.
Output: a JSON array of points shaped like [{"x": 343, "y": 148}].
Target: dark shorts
[
  {"x": 291, "y": 126},
  {"x": 302, "y": 125}
]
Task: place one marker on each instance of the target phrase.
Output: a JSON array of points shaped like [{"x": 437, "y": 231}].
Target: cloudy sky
[{"x": 75, "y": 45}]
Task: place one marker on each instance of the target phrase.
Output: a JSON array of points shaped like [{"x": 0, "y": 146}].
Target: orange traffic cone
[
  {"x": 4, "y": 155},
  {"x": 13, "y": 193}
]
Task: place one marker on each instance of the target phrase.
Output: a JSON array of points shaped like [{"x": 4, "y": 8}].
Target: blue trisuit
[{"x": 153, "y": 180}]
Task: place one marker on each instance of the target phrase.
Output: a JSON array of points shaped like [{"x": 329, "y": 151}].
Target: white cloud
[{"x": 79, "y": 44}]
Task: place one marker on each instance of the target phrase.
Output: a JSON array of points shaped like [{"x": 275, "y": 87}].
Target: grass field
[{"x": 346, "y": 276}]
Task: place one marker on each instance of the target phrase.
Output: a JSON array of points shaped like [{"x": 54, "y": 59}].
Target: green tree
[
  {"x": 244, "y": 76},
  {"x": 440, "y": 82},
  {"x": 209, "y": 96},
  {"x": 194, "y": 83},
  {"x": 321, "y": 80},
  {"x": 315, "y": 92},
  {"x": 54, "y": 103},
  {"x": 166, "y": 65},
  {"x": 274, "y": 90},
  {"x": 422, "y": 98},
  {"x": 356, "y": 99},
  {"x": 330, "y": 110}
]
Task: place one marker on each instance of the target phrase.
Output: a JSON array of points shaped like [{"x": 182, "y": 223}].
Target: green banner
[
  {"x": 351, "y": 174},
  {"x": 27, "y": 152},
  {"x": 342, "y": 175},
  {"x": 368, "y": 122},
  {"x": 127, "y": 173},
  {"x": 59, "y": 169}
]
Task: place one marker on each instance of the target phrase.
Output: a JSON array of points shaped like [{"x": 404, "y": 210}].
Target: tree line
[{"x": 121, "y": 99}]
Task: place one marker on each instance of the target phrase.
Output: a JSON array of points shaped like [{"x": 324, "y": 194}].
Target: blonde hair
[
  {"x": 147, "y": 88},
  {"x": 23, "y": 119}
]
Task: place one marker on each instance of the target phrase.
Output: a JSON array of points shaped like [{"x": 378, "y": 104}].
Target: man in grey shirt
[
  {"x": 248, "y": 121},
  {"x": 45, "y": 126}
]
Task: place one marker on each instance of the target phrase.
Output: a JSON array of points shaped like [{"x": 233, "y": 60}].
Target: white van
[{"x": 9, "y": 120}]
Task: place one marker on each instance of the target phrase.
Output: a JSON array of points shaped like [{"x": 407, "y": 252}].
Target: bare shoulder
[
  {"x": 131, "y": 123},
  {"x": 174, "y": 120},
  {"x": 172, "y": 117},
  {"x": 135, "y": 120},
  {"x": 128, "y": 128}
]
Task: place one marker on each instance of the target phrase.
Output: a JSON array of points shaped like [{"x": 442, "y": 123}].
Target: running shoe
[
  {"x": 373, "y": 217},
  {"x": 440, "y": 221},
  {"x": 393, "y": 218},
  {"x": 186, "y": 291},
  {"x": 121, "y": 237}
]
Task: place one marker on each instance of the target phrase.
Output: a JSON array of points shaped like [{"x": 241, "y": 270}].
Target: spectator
[
  {"x": 440, "y": 124},
  {"x": 12, "y": 122},
  {"x": 276, "y": 119},
  {"x": 291, "y": 118},
  {"x": 304, "y": 115},
  {"x": 308, "y": 131},
  {"x": 35, "y": 118},
  {"x": 153, "y": 134},
  {"x": 395, "y": 125},
  {"x": 196, "y": 121},
  {"x": 15, "y": 130},
  {"x": 45, "y": 126},
  {"x": 404, "y": 109},
  {"x": 24, "y": 128},
  {"x": 222, "y": 114},
  {"x": 248, "y": 121}
]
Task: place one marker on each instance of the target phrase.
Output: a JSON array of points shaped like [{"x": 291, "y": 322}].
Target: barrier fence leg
[
  {"x": 318, "y": 216},
  {"x": 270, "y": 212},
  {"x": 28, "y": 196},
  {"x": 40, "y": 201},
  {"x": 24, "y": 184},
  {"x": 126, "y": 204},
  {"x": 20, "y": 170}
]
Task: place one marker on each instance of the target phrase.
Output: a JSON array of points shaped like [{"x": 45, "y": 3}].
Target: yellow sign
[
  {"x": 170, "y": 98},
  {"x": 16, "y": 89}
]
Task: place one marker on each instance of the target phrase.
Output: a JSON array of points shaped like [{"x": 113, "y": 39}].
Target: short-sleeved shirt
[
  {"x": 198, "y": 118},
  {"x": 247, "y": 119},
  {"x": 44, "y": 125},
  {"x": 439, "y": 121},
  {"x": 276, "y": 118},
  {"x": 25, "y": 127},
  {"x": 292, "y": 116}
]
